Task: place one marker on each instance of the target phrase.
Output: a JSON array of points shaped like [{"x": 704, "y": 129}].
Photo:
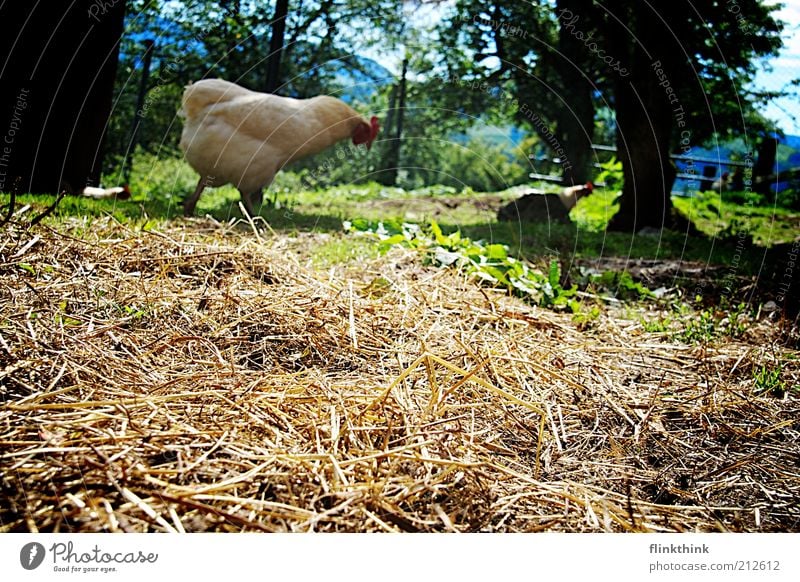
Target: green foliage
[
  {"x": 700, "y": 328},
  {"x": 342, "y": 251},
  {"x": 593, "y": 212},
  {"x": 769, "y": 380},
  {"x": 490, "y": 264},
  {"x": 28, "y": 268},
  {"x": 701, "y": 325},
  {"x": 165, "y": 178},
  {"x": 611, "y": 174},
  {"x": 341, "y": 164},
  {"x": 788, "y": 198},
  {"x": 586, "y": 318},
  {"x": 706, "y": 325},
  {"x": 743, "y": 198},
  {"x": 621, "y": 285},
  {"x": 758, "y": 224},
  {"x": 657, "y": 325},
  {"x": 476, "y": 164}
]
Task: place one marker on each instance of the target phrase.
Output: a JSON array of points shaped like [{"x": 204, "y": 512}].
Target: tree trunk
[
  {"x": 138, "y": 115},
  {"x": 576, "y": 122},
  {"x": 644, "y": 130},
  {"x": 397, "y": 113},
  {"x": 577, "y": 130},
  {"x": 276, "y": 46},
  {"x": 388, "y": 176},
  {"x": 765, "y": 167},
  {"x": 647, "y": 110},
  {"x": 56, "y": 88}
]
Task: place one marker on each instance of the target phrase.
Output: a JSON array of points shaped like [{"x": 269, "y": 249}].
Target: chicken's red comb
[
  {"x": 375, "y": 127},
  {"x": 590, "y": 186}
]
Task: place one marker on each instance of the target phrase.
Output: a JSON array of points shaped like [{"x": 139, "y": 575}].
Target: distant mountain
[
  {"x": 360, "y": 78},
  {"x": 793, "y": 141}
]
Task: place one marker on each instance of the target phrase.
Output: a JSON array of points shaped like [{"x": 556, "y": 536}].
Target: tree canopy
[
  {"x": 675, "y": 75},
  {"x": 489, "y": 85}
]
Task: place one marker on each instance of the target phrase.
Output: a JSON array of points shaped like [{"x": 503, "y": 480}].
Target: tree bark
[
  {"x": 276, "y": 46},
  {"x": 647, "y": 110},
  {"x": 644, "y": 131},
  {"x": 576, "y": 126},
  {"x": 576, "y": 121},
  {"x": 392, "y": 161},
  {"x": 59, "y": 60}
]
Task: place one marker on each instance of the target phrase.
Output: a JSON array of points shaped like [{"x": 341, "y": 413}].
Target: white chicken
[
  {"x": 237, "y": 136},
  {"x": 569, "y": 196}
]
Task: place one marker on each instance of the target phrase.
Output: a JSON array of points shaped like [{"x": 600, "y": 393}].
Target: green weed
[
  {"x": 491, "y": 264},
  {"x": 768, "y": 380}
]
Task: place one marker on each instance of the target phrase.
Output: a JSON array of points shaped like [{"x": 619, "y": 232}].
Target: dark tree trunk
[
  {"x": 276, "y": 40},
  {"x": 765, "y": 168},
  {"x": 388, "y": 176},
  {"x": 59, "y": 61},
  {"x": 139, "y": 114},
  {"x": 647, "y": 110},
  {"x": 392, "y": 161},
  {"x": 576, "y": 121},
  {"x": 644, "y": 131}
]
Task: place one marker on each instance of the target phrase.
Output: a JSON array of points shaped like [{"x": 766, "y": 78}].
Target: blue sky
[{"x": 786, "y": 112}]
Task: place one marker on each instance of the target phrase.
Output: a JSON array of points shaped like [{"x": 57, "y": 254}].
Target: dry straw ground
[{"x": 198, "y": 379}]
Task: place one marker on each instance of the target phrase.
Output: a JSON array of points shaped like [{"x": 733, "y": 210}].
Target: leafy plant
[
  {"x": 658, "y": 325},
  {"x": 708, "y": 324},
  {"x": 700, "y": 328},
  {"x": 769, "y": 380},
  {"x": 621, "y": 285},
  {"x": 491, "y": 264},
  {"x": 586, "y": 318},
  {"x": 611, "y": 174}
]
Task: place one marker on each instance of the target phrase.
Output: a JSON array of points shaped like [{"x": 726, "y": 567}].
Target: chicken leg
[
  {"x": 257, "y": 198},
  {"x": 248, "y": 198},
  {"x": 191, "y": 201}
]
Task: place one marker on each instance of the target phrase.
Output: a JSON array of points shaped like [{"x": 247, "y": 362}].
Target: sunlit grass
[{"x": 159, "y": 186}]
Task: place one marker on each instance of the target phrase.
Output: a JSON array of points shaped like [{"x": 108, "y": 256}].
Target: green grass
[
  {"x": 160, "y": 184},
  {"x": 716, "y": 216},
  {"x": 343, "y": 250},
  {"x": 769, "y": 380}
]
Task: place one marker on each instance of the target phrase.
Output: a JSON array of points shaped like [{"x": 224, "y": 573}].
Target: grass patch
[{"x": 338, "y": 249}]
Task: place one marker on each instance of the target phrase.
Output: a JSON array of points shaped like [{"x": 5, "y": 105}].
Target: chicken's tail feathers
[{"x": 199, "y": 95}]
